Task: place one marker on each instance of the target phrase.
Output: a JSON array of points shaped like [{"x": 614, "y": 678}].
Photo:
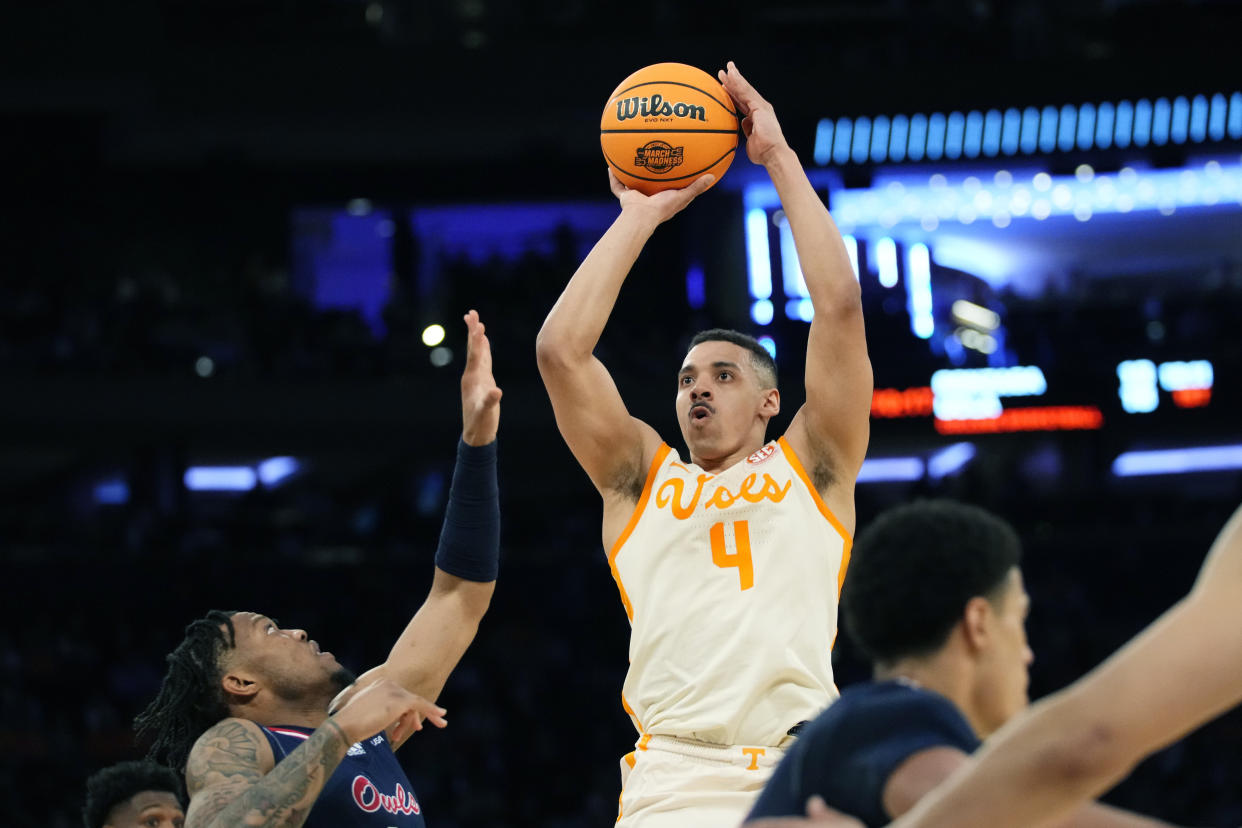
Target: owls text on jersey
[{"x": 368, "y": 787}]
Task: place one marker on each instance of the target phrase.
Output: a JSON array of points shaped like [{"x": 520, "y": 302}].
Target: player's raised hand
[
  {"x": 662, "y": 205},
  {"x": 480, "y": 396},
  {"x": 763, "y": 132},
  {"x": 386, "y": 705}
]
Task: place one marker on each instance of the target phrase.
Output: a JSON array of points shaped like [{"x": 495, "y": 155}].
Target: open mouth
[{"x": 700, "y": 411}]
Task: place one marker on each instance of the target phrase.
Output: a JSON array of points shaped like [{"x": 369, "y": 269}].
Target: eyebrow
[{"x": 720, "y": 363}]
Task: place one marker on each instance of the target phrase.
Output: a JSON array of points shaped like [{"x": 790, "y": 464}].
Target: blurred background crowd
[{"x": 239, "y": 238}]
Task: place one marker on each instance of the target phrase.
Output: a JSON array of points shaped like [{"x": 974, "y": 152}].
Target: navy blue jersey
[
  {"x": 369, "y": 787},
  {"x": 847, "y": 754}
]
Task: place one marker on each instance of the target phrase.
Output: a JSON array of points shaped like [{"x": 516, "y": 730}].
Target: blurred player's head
[
  {"x": 937, "y": 584},
  {"x": 726, "y": 393},
  {"x": 133, "y": 795},
  {"x": 235, "y": 664}
]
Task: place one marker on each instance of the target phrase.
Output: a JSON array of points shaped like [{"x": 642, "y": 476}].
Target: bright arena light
[{"x": 433, "y": 335}]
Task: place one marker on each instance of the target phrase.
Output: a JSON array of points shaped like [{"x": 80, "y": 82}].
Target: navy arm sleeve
[
  {"x": 848, "y": 753},
  {"x": 470, "y": 537}
]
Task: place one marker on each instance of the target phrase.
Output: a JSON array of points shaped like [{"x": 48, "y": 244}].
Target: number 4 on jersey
[{"x": 724, "y": 559}]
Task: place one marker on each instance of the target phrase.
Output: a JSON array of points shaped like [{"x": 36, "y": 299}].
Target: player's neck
[
  {"x": 940, "y": 673},
  {"x": 309, "y": 712},
  {"x": 716, "y": 465}
]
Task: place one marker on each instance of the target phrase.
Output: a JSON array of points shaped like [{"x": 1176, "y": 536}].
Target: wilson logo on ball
[
  {"x": 658, "y": 157},
  {"x": 656, "y": 106}
]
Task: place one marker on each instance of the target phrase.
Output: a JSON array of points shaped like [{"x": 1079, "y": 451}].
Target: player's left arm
[
  {"x": 923, "y": 771},
  {"x": 831, "y": 430},
  {"x": 468, "y": 555}
]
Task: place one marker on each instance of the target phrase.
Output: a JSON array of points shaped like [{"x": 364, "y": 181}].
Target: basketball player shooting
[
  {"x": 729, "y": 562},
  {"x": 270, "y": 730}
]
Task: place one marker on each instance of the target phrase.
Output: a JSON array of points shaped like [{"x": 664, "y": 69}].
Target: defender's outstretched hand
[
  {"x": 662, "y": 205},
  {"x": 763, "y": 132},
  {"x": 817, "y": 814},
  {"x": 480, "y": 396}
]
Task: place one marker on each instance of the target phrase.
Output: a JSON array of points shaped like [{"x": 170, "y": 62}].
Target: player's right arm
[
  {"x": 1177, "y": 674},
  {"x": 233, "y": 779},
  {"x": 610, "y": 445}
]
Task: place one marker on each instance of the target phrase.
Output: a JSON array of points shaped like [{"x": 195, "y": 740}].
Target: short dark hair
[
  {"x": 190, "y": 699},
  {"x": 112, "y": 786},
  {"x": 760, "y": 359},
  {"x": 914, "y": 569}
]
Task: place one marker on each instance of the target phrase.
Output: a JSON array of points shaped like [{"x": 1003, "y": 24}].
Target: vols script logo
[
  {"x": 658, "y": 157},
  {"x": 657, "y": 107},
  {"x": 671, "y": 494},
  {"x": 369, "y": 799}
]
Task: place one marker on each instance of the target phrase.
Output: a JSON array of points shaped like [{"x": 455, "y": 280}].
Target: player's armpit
[{"x": 919, "y": 773}]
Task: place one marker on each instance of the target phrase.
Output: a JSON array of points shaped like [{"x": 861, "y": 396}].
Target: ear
[
  {"x": 977, "y": 623},
  {"x": 770, "y": 405},
  {"x": 239, "y": 685}
]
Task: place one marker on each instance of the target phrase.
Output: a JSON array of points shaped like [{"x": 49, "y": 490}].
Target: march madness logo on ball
[{"x": 658, "y": 157}]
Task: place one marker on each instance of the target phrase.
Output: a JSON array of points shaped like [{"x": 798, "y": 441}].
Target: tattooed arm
[{"x": 232, "y": 777}]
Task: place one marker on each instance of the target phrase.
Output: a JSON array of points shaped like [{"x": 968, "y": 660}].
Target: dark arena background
[{"x": 230, "y": 228}]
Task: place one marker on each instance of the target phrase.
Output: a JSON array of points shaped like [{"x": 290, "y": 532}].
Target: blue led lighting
[
  {"x": 950, "y": 460},
  {"x": 918, "y": 136},
  {"x": 862, "y": 135},
  {"x": 1086, "y": 126},
  {"x": 1040, "y": 196},
  {"x": 113, "y": 492},
  {"x": 275, "y": 470},
  {"x": 761, "y": 312},
  {"x": 900, "y": 133},
  {"x": 696, "y": 286},
  {"x": 1179, "y": 127},
  {"x": 1125, "y": 124},
  {"x": 886, "y": 261},
  {"x": 841, "y": 140},
  {"x": 879, "y": 139},
  {"x": 1178, "y": 461},
  {"x": 1104, "y": 125},
  {"x": 769, "y": 345},
  {"x": 1217, "y": 118},
  {"x": 758, "y": 257},
  {"x": 220, "y": 478},
  {"x": 1184, "y": 119},
  {"x": 919, "y": 291},
  {"x": 1011, "y": 134},
  {"x": 891, "y": 470},
  {"x": 1198, "y": 119},
  {"x": 792, "y": 279},
  {"x": 992, "y": 130},
  {"x": 935, "y": 136},
  {"x": 823, "y": 141}
]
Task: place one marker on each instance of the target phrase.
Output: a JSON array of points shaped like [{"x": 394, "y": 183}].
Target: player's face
[
  {"x": 148, "y": 809},
  {"x": 719, "y": 399},
  {"x": 1007, "y": 665},
  {"x": 289, "y": 661}
]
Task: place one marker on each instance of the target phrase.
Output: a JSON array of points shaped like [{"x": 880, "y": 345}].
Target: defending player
[
  {"x": 133, "y": 795},
  {"x": 729, "y": 562},
  {"x": 1177, "y": 674},
  {"x": 935, "y": 598},
  {"x": 290, "y": 738}
]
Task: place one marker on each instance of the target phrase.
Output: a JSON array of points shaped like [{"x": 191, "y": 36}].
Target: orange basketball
[{"x": 666, "y": 125}]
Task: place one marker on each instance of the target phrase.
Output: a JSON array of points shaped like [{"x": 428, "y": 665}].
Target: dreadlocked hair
[{"x": 190, "y": 699}]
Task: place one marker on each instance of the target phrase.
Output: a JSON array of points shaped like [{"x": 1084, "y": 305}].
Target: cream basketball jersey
[{"x": 730, "y": 582}]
